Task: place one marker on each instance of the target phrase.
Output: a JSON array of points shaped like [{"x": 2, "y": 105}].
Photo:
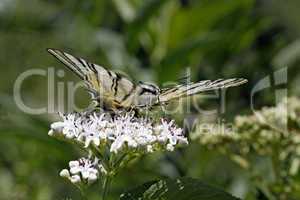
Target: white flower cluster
[
  {"x": 120, "y": 133},
  {"x": 83, "y": 170},
  {"x": 258, "y": 131},
  {"x": 210, "y": 134}
]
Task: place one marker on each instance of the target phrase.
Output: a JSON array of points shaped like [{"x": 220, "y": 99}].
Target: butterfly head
[
  {"x": 148, "y": 94},
  {"x": 149, "y": 88}
]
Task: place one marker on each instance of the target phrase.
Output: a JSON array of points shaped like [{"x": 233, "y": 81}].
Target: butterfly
[{"x": 113, "y": 91}]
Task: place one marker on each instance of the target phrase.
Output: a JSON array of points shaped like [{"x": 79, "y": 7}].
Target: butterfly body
[{"x": 112, "y": 91}]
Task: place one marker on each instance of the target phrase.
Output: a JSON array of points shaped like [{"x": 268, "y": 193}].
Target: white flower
[
  {"x": 121, "y": 141},
  {"x": 170, "y": 147},
  {"x": 91, "y": 134},
  {"x": 83, "y": 171},
  {"x": 170, "y": 135},
  {"x": 69, "y": 127},
  {"x": 99, "y": 121},
  {"x": 85, "y": 167},
  {"x": 122, "y": 132},
  {"x": 75, "y": 179},
  {"x": 149, "y": 149},
  {"x": 65, "y": 173}
]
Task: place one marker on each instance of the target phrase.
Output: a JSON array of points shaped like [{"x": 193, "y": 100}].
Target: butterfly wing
[
  {"x": 102, "y": 84},
  {"x": 183, "y": 90}
]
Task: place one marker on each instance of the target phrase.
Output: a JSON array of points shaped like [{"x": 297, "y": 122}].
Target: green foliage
[
  {"x": 181, "y": 188},
  {"x": 272, "y": 135}
]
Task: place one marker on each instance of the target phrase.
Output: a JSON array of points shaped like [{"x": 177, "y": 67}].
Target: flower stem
[
  {"x": 83, "y": 194},
  {"x": 106, "y": 186}
]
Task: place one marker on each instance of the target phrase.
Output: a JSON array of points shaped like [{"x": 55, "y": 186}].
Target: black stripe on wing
[
  {"x": 116, "y": 80},
  {"x": 195, "y": 88},
  {"x": 79, "y": 66},
  {"x": 70, "y": 61}
]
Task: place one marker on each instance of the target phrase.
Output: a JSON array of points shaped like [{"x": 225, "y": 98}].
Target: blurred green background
[{"x": 152, "y": 40}]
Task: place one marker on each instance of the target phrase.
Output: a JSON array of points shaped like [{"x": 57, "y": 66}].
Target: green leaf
[
  {"x": 180, "y": 189},
  {"x": 172, "y": 63},
  {"x": 125, "y": 10},
  {"x": 144, "y": 14}
]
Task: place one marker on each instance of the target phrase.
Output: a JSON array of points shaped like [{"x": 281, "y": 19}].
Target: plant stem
[
  {"x": 106, "y": 186},
  {"x": 82, "y": 191},
  {"x": 276, "y": 167}
]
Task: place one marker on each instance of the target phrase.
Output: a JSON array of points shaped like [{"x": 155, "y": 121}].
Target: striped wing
[
  {"x": 183, "y": 90},
  {"x": 104, "y": 85}
]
